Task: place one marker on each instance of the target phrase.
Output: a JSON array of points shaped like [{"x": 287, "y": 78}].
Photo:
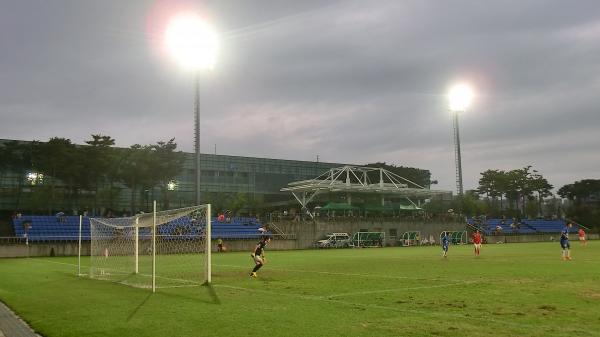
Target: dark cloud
[{"x": 350, "y": 81}]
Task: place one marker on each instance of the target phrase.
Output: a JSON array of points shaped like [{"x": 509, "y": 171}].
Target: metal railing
[
  {"x": 11, "y": 240},
  {"x": 576, "y": 223}
]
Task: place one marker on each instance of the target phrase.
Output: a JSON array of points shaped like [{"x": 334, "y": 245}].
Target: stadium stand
[
  {"x": 51, "y": 228},
  {"x": 489, "y": 227}
]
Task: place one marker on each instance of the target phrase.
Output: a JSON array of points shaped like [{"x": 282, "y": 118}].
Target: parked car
[{"x": 334, "y": 240}]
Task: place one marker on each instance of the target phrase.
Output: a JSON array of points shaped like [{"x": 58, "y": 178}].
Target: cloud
[{"x": 350, "y": 81}]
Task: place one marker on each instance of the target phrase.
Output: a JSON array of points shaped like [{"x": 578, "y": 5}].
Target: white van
[{"x": 334, "y": 240}]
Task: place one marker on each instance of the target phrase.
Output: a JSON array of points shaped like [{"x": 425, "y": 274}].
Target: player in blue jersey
[
  {"x": 258, "y": 255},
  {"x": 564, "y": 242},
  {"x": 445, "y": 243}
]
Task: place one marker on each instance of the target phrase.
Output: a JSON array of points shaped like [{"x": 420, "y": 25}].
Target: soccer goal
[
  {"x": 456, "y": 237},
  {"x": 411, "y": 238},
  {"x": 368, "y": 239},
  {"x": 154, "y": 250}
]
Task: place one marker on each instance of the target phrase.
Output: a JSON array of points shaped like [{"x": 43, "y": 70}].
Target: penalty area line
[
  {"x": 368, "y": 292},
  {"x": 372, "y": 306},
  {"x": 339, "y": 273}
]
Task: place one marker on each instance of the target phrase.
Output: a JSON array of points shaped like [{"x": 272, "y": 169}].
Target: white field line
[
  {"x": 338, "y": 273},
  {"x": 191, "y": 283},
  {"x": 114, "y": 271},
  {"x": 327, "y": 300},
  {"x": 180, "y": 286},
  {"x": 63, "y": 263},
  {"x": 401, "y": 289},
  {"x": 375, "y": 306}
]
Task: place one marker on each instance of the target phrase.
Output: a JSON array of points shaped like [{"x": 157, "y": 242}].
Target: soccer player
[
  {"x": 445, "y": 243},
  {"x": 564, "y": 242},
  {"x": 581, "y": 233},
  {"x": 477, "y": 242},
  {"x": 259, "y": 254}
]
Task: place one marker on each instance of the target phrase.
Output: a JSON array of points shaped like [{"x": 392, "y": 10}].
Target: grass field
[{"x": 510, "y": 290}]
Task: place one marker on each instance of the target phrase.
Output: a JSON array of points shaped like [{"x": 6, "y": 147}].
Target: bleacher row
[
  {"x": 52, "y": 228},
  {"x": 490, "y": 226}
]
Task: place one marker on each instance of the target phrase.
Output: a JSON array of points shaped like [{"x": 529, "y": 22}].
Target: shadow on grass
[
  {"x": 193, "y": 295},
  {"x": 138, "y": 307},
  {"x": 212, "y": 293}
]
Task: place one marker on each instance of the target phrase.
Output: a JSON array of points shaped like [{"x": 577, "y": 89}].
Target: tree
[
  {"x": 580, "y": 190},
  {"x": 418, "y": 176},
  {"x": 543, "y": 188},
  {"x": 57, "y": 160},
  {"x": 143, "y": 168},
  {"x": 517, "y": 186},
  {"x": 167, "y": 165},
  {"x": 133, "y": 171},
  {"x": 97, "y": 160},
  {"x": 493, "y": 184},
  {"x": 17, "y": 157},
  {"x": 585, "y": 195}
]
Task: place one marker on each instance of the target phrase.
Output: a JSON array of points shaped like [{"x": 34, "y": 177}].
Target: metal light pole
[
  {"x": 193, "y": 42},
  {"x": 197, "y": 136},
  {"x": 460, "y": 97},
  {"x": 458, "y": 160}
]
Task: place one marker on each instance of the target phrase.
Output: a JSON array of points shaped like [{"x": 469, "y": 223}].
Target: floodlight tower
[
  {"x": 459, "y": 98},
  {"x": 193, "y": 43}
]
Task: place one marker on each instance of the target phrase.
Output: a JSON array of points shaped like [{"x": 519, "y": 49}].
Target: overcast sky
[{"x": 349, "y": 81}]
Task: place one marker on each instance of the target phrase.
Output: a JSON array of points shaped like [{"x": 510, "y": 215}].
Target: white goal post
[
  {"x": 411, "y": 238},
  {"x": 154, "y": 250},
  {"x": 456, "y": 237}
]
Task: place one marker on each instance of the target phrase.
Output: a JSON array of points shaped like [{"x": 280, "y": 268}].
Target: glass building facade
[
  {"x": 262, "y": 177},
  {"x": 257, "y": 178}
]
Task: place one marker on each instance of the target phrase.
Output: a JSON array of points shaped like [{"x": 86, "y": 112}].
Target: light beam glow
[
  {"x": 460, "y": 97},
  {"x": 191, "y": 41}
]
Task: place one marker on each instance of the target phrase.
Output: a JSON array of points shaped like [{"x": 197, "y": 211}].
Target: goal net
[
  {"x": 411, "y": 238},
  {"x": 154, "y": 250},
  {"x": 456, "y": 237},
  {"x": 368, "y": 239}
]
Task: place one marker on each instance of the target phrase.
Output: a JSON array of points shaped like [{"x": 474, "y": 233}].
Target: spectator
[
  {"x": 264, "y": 229},
  {"x": 60, "y": 217},
  {"x": 220, "y": 245},
  {"x": 581, "y": 234}
]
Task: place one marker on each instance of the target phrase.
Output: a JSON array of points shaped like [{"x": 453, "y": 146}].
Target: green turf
[{"x": 510, "y": 290}]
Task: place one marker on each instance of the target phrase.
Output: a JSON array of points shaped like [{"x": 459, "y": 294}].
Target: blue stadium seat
[
  {"x": 527, "y": 226},
  {"x": 47, "y": 228}
]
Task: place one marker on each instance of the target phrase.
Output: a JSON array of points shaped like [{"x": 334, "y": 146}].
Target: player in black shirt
[{"x": 259, "y": 254}]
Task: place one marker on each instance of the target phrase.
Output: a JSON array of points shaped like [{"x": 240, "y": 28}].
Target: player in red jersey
[
  {"x": 581, "y": 234},
  {"x": 477, "y": 242}
]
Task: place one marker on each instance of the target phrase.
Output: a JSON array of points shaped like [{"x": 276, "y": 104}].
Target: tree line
[
  {"x": 515, "y": 187},
  {"x": 585, "y": 201},
  {"x": 524, "y": 192},
  {"x": 61, "y": 175}
]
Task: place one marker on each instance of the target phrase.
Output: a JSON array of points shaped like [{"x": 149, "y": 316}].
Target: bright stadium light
[
  {"x": 460, "y": 97},
  {"x": 172, "y": 185},
  {"x": 33, "y": 178},
  {"x": 192, "y": 42}
]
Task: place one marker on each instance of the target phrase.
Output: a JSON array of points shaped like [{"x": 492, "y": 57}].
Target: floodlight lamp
[
  {"x": 192, "y": 42},
  {"x": 33, "y": 178},
  {"x": 460, "y": 97},
  {"x": 172, "y": 185}
]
